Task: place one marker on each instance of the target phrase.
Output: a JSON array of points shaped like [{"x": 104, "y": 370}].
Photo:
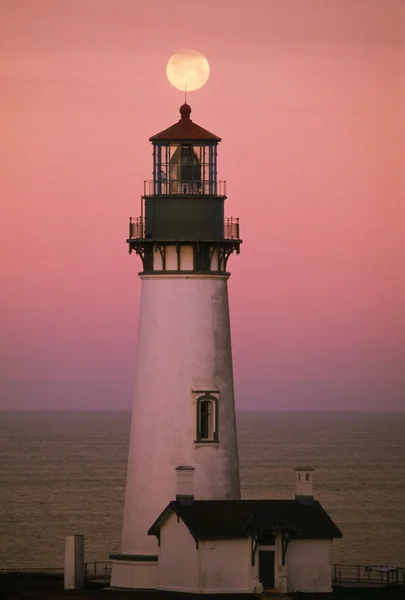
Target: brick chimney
[
  {"x": 303, "y": 485},
  {"x": 185, "y": 484}
]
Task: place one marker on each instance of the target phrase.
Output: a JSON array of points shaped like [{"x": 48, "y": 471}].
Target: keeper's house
[{"x": 243, "y": 546}]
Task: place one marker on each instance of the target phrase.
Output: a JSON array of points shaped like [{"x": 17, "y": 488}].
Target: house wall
[
  {"x": 225, "y": 566},
  {"x": 309, "y": 565},
  {"x": 178, "y": 568},
  {"x": 134, "y": 574},
  {"x": 218, "y": 566}
]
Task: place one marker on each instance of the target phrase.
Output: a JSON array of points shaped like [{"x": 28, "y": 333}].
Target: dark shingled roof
[
  {"x": 185, "y": 130},
  {"x": 223, "y": 519}
]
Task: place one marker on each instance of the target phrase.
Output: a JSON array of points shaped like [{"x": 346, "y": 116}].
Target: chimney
[
  {"x": 185, "y": 484},
  {"x": 303, "y": 485}
]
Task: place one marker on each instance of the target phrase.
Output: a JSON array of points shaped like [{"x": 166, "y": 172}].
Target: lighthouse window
[
  {"x": 205, "y": 419},
  {"x": 207, "y": 430}
]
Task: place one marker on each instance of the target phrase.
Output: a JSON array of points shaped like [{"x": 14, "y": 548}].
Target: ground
[{"x": 22, "y": 587}]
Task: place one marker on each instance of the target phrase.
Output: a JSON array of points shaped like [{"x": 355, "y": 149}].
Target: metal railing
[
  {"x": 137, "y": 228},
  {"x": 97, "y": 571},
  {"x": 163, "y": 187},
  {"x": 367, "y": 575},
  {"x": 231, "y": 228}
]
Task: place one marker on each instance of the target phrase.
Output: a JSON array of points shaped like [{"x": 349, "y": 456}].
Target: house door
[{"x": 266, "y": 568}]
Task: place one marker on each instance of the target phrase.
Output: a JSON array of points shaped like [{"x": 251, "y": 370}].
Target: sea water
[{"x": 63, "y": 473}]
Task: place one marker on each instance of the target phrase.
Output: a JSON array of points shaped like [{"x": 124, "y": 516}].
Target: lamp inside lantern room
[
  {"x": 185, "y": 171},
  {"x": 185, "y": 168}
]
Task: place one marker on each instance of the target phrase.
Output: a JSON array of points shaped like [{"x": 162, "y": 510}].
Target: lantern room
[
  {"x": 184, "y": 200},
  {"x": 184, "y": 159},
  {"x": 184, "y": 168}
]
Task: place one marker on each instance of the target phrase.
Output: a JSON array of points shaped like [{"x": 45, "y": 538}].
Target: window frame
[{"x": 207, "y": 397}]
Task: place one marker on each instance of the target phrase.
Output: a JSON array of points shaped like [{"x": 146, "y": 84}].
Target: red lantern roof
[{"x": 185, "y": 130}]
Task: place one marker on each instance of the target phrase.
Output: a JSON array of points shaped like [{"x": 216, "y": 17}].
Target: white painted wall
[
  {"x": 214, "y": 261},
  {"x": 171, "y": 258},
  {"x": 134, "y": 575},
  {"x": 157, "y": 260},
  {"x": 225, "y": 566},
  {"x": 184, "y": 344},
  {"x": 178, "y": 560},
  {"x": 219, "y": 566},
  {"x": 309, "y": 565},
  {"x": 186, "y": 258},
  {"x": 304, "y": 481}
]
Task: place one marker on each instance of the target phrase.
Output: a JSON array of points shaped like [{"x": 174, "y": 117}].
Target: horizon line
[{"x": 239, "y": 410}]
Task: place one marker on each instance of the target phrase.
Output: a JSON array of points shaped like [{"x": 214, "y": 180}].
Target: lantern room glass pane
[
  {"x": 160, "y": 170},
  {"x": 184, "y": 168}
]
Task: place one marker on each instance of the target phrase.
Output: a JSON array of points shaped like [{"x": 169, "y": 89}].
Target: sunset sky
[{"x": 309, "y": 99}]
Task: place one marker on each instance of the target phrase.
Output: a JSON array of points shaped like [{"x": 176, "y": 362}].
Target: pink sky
[{"x": 308, "y": 97}]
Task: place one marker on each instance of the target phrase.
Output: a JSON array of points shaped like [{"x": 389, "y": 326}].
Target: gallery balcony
[
  {"x": 137, "y": 229},
  {"x": 165, "y": 187}
]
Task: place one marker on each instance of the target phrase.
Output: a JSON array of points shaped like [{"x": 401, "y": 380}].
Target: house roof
[
  {"x": 223, "y": 519},
  {"x": 185, "y": 130}
]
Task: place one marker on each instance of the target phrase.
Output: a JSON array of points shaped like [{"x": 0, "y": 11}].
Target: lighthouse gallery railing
[
  {"x": 137, "y": 228},
  {"x": 166, "y": 187}
]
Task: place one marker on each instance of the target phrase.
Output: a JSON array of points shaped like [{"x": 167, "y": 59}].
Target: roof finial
[
  {"x": 185, "y": 111},
  {"x": 185, "y": 92}
]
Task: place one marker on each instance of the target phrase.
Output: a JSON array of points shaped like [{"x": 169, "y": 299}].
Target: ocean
[{"x": 64, "y": 472}]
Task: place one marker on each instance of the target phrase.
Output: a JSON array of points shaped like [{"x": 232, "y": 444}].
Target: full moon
[{"x": 188, "y": 70}]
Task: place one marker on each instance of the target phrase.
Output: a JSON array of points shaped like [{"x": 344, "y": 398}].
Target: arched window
[{"x": 207, "y": 419}]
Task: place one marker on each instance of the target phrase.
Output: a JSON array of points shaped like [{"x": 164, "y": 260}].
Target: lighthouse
[{"x": 183, "y": 440}]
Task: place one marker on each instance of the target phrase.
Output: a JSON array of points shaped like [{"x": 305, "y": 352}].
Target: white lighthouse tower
[{"x": 183, "y": 412}]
